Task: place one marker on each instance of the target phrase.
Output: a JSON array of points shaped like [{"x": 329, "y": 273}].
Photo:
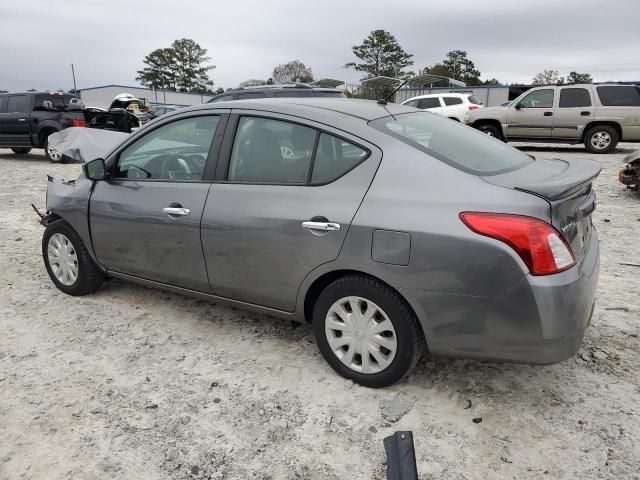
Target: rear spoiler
[{"x": 576, "y": 175}]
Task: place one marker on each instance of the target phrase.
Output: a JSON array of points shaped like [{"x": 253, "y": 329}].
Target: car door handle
[
  {"x": 585, "y": 114},
  {"x": 22, "y": 120},
  {"x": 548, "y": 114},
  {"x": 324, "y": 226},
  {"x": 176, "y": 211}
]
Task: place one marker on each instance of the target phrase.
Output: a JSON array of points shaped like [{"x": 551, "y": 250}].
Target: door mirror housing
[
  {"x": 95, "y": 169},
  {"x": 517, "y": 106}
]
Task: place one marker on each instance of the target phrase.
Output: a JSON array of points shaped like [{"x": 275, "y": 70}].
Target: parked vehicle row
[
  {"x": 391, "y": 230},
  {"x": 599, "y": 116},
  {"x": 28, "y": 119}
]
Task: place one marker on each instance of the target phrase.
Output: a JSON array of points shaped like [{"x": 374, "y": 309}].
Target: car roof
[
  {"x": 437, "y": 95},
  {"x": 312, "y": 108}
]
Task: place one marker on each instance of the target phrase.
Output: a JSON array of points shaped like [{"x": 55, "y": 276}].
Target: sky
[{"x": 510, "y": 40}]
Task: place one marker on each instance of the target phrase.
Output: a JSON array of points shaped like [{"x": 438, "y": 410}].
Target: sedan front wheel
[
  {"x": 366, "y": 331},
  {"x": 67, "y": 260}
]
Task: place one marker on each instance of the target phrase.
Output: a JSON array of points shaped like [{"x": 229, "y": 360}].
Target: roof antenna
[{"x": 383, "y": 101}]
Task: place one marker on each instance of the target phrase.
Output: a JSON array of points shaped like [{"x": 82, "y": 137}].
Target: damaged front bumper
[{"x": 630, "y": 175}]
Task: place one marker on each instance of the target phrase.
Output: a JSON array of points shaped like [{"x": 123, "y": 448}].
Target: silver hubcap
[
  {"x": 53, "y": 154},
  {"x": 487, "y": 132},
  {"x": 63, "y": 259},
  {"x": 600, "y": 140},
  {"x": 361, "y": 335}
]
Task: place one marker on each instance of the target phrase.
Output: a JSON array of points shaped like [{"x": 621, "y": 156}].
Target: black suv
[{"x": 275, "y": 91}]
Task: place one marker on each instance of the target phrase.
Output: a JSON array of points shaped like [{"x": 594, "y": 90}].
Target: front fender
[{"x": 69, "y": 200}]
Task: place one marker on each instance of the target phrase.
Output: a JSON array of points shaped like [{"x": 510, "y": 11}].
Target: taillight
[
  {"x": 78, "y": 123},
  {"x": 540, "y": 246},
  {"x": 473, "y": 107}
]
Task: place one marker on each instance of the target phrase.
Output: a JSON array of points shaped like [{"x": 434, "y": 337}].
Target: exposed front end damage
[
  {"x": 69, "y": 201},
  {"x": 630, "y": 175}
]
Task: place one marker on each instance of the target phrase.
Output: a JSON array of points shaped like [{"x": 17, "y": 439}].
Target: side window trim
[
  {"x": 212, "y": 157},
  {"x": 224, "y": 158}
]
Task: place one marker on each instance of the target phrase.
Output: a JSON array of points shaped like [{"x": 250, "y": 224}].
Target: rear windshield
[
  {"x": 475, "y": 100},
  {"x": 622, "y": 96},
  {"x": 458, "y": 145}
]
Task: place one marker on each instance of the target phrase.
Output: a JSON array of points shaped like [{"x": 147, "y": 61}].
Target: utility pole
[{"x": 73, "y": 72}]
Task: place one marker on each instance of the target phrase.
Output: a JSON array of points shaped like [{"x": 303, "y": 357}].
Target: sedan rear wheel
[{"x": 366, "y": 331}]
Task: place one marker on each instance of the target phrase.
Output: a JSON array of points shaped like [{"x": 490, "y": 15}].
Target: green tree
[
  {"x": 461, "y": 67},
  {"x": 492, "y": 81},
  {"x": 159, "y": 71},
  {"x": 438, "y": 69},
  {"x": 548, "y": 77},
  {"x": 381, "y": 55},
  {"x": 252, "y": 82},
  {"x": 294, "y": 71},
  {"x": 191, "y": 70},
  {"x": 575, "y": 77}
]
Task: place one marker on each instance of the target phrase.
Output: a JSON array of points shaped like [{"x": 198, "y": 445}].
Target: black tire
[
  {"x": 21, "y": 150},
  {"x": 89, "y": 277},
  {"x": 491, "y": 130},
  {"x": 409, "y": 335},
  {"x": 603, "y": 132}
]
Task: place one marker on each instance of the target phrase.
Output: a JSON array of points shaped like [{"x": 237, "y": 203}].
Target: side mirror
[
  {"x": 518, "y": 106},
  {"x": 95, "y": 169}
]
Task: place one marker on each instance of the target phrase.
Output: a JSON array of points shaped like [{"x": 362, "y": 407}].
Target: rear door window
[
  {"x": 453, "y": 143},
  {"x": 17, "y": 104},
  {"x": 574, "y": 97},
  {"x": 271, "y": 151},
  {"x": 334, "y": 158},
  {"x": 619, "y": 96},
  {"x": 411, "y": 103},
  {"x": 452, "y": 100},
  {"x": 429, "y": 103}
]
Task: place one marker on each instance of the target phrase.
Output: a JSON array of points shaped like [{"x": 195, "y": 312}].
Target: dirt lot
[{"x": 133, "y": 383}]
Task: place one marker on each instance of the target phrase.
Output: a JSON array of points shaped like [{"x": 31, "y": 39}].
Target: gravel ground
[{"x": 134, "y": 383}]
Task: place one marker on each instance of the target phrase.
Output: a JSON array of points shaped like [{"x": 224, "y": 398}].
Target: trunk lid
[{"x": 567, "y": 186}]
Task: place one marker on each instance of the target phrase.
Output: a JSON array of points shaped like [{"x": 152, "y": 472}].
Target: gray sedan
[{"x": 391, "y": 230}]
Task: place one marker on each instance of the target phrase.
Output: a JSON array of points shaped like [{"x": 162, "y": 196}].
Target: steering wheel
[{"x": 173, "y": 166}]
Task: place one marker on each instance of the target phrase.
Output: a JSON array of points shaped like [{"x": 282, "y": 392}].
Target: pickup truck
[
  {"x": 598, "y": 115},
  {"x": 27, "y": 120}
]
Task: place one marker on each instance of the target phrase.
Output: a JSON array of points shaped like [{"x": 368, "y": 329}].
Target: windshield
[{"x": 458, "y": 145}]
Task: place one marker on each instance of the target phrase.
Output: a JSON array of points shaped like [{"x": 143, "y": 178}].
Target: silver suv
[{"x": 597, "y": 115}]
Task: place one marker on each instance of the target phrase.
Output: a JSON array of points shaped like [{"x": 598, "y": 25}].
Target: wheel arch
[
  {"x": 46, "y": 129},
  {"x": 322, "y": 281},
  {"x": 489, "y": 121},
  {"x": 595, "y": 123}
]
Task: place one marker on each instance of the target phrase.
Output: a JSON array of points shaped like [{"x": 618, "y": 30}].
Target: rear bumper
[{"x": 539, "y": 320}]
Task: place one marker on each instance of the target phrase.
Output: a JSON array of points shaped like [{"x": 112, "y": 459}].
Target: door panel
[
  {"x": 255, "y": 246},
  {"x": 131, "y": 234},
  {"x": 14, "y": 124},
  {"x": 535, "y": 117},
  {"x": 164, "y": 168},
  {"x": 575, "y": 110}
]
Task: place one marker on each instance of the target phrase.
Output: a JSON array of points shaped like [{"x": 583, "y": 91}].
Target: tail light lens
[
  {"x": 540, "y": 246},
  {"x": 78, "y": 123},
  {"x": 473, "y": 107}
]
